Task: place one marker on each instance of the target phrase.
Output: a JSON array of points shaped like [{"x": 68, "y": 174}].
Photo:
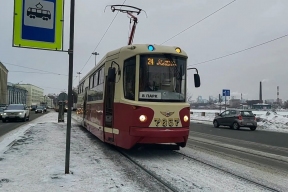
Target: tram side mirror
[
  {"x": 197, "y": 80},
  {"x": 111, "y": 74}
]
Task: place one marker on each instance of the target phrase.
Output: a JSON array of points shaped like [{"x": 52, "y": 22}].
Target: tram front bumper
[{"x": 160, "y": 135}]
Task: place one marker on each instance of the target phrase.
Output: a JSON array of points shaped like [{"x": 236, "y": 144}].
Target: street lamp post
[
  {"x": 79, "y": 76},
  {"x": 95, "y": 53}
]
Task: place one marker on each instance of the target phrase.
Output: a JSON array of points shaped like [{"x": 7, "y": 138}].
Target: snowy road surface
[{"x": 35, "y": 162}]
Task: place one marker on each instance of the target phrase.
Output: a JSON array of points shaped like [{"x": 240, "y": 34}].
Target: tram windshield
[{"x": 162, "y": 78}]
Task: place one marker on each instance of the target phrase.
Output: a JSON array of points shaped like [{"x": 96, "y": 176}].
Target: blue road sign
[
  {"x": 38, "y": 24},
  {"x": 226, "y": 92}
]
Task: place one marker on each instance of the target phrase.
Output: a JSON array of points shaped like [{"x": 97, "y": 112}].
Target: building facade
[
  {"x": 35, "y": 94},
  {"x": 16, "y": 94},
  {"x": 261, "y": 106},
  {"x": 234, "y": 103},
  {"x": 3, "y": 84}
]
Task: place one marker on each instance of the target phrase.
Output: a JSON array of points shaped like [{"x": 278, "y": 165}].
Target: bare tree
[{"x": 189, "y": 97}]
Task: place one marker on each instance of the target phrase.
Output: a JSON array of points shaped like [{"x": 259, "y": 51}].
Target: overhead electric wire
[
  {"x": 198, "y": 22},
  {"x": 102, "y": 37},
  {"x": 34, "y": 69},
  {"x": 239, "y": 51},
  {"x": 30, "y": 72},
  {"x": 40, "y": 73}
]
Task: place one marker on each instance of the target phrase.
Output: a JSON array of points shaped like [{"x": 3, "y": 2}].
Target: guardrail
[
  {"x": 257, "y": 113},
  {"x": 204, "y": 113}
]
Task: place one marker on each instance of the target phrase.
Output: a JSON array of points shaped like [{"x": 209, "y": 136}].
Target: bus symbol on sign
[{"x": 39, "y": 14}]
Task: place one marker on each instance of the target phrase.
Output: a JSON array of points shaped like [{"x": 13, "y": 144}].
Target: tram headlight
[
  {"x": 143, "y": 118},
  {"x": 185, "y": 118}
]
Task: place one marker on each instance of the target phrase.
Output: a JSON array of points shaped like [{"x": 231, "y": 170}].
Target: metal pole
[
  {"x": 220, "y": 102},
  {"x": 79, "y": 76},
  {"x": 95, "y": 53},
  {"x": 70, "y": 82},
  {"x": 225, "y": 102}
]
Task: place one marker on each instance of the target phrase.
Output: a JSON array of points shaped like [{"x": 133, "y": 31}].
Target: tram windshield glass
[{"x": 162, "y": 78}]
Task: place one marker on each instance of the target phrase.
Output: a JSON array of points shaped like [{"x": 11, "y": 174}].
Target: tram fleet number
[{"x": 170, "y": 122}]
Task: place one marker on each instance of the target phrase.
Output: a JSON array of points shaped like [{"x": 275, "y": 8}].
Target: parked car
[
  {"x": 236, "y": 118},
  {"x": 40, "y": 109},
  {"x": 16, "y": 112}
]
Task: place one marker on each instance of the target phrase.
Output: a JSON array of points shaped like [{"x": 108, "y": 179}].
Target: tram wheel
[{"x": 183, "y": 144}]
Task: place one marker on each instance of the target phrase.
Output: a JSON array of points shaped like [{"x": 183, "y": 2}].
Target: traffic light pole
[{"x": 70, "y": 81}]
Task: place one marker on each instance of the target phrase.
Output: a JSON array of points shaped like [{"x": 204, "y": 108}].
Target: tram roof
[{"x": 137, "y": 48}]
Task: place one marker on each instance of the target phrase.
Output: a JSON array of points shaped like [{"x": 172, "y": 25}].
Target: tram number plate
[{"x": 167, "y": 122}]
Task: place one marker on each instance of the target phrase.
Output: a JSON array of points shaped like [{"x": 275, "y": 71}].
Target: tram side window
[
  {"x": 101, "y": 76},
  {"x": 95, "y": 79},
  {"x": 91, "y": 82},
  {"x": 129, "y": 78}
]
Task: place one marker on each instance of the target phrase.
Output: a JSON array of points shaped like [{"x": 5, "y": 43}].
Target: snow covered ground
[
  {"x": 271, "y": 122},
  {"x": 33, "y": 159}
]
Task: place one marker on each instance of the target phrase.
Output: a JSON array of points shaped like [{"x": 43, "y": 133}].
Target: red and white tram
[{"x": 137, "y": 95}]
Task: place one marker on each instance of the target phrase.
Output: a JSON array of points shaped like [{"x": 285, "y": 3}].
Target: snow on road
[
  {"x": 36, "y": 161},
  {"x": 188, "y": 175}
]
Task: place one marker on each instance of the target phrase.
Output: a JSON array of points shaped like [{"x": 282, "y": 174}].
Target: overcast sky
[{"x": 242, "y": 24}]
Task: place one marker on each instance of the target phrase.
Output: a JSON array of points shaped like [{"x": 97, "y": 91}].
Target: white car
[{"x": 16, "y": 112}]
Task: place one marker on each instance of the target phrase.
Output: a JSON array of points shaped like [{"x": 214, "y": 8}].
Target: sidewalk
[{"x": 35, "y": 161}]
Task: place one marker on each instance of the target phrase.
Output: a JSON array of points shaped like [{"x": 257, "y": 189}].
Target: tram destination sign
[{"x": 160, "y": 62}]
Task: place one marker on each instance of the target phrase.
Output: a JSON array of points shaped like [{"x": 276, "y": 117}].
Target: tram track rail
[
  {"x": 196, "y": 141},
  {"x": 157, "y": 178},
  {"x": 227, "y": 172},
  {"x": 170, "y": 187}
]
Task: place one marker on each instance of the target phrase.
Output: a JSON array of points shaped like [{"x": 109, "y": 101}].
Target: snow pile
[
  {"x": 267, "y": 120},
  {"x": 197, "y": 116},
  {"x": 273, "y": 121}
]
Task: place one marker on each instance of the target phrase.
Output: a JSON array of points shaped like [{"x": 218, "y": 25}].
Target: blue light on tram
[{"x": 151, "y": 48}]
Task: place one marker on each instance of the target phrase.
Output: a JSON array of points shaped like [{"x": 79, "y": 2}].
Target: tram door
[
  {"x": 85, "y": 106},
  {"x": 109, "y": 109}
]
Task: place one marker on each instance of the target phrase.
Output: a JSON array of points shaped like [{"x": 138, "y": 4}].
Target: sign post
[
  {"x": 226, "y": 92},
  {"x": 38, "y": 24},
  {"x": 220, "y": 101},
  {"x": 70, "y": 82}
]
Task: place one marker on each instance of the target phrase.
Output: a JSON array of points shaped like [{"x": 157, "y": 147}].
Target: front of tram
[{"x": 165, "y": 114}]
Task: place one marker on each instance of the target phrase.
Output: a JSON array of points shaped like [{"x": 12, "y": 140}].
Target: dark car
[
  {"x": 236, "y": 118},
  {"x": 33, "y": 107},
  {"x": 1, "y": 112},
  {"x": 40, "y": 109}
]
